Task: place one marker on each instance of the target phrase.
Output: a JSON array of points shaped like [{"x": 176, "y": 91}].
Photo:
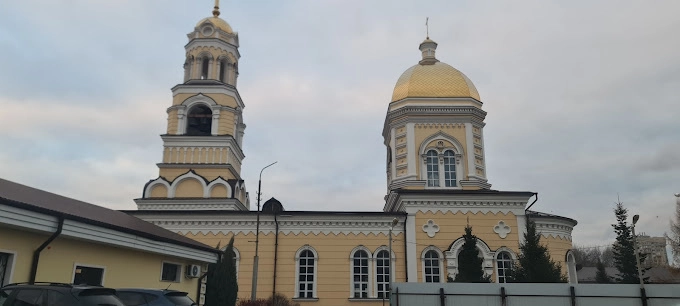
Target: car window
[
  {"x": 150, "y": 297},
  {"x": 99, "y": 297},
  {"x": 4, "y": 296},
  {"x": 56, "y": 298},
  {"x": 131, "y": 298},
  {"x": 28, "y": 297},
  {"x": 180, "y": 299}
]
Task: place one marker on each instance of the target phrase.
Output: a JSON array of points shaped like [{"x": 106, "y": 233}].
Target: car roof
[{"x": 149, "y": 290}]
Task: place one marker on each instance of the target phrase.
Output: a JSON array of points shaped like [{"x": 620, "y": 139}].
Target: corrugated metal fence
[{"x": 458, "y": 294}]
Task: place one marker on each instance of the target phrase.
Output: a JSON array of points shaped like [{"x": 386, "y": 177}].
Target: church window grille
[
  {"x": 360, "y": 274},
  {"x": 199, "y": 121},
  {"x": 382, "y": 275},
  {"x": 449, "y": 169},
  {"x": 432, "y": 169},
  {"x": 432, "y": 269},
  {"x": 306, "y": 274},
  {"x": 503, "y": 265}
]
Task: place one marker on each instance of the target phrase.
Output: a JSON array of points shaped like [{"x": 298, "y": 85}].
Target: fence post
[
  {"x": 643, "y": 296},
  {"x": 504, "y": 302},
  {"x": 573, "y": 295},
  {"x": 442, "y": 297},
  {"x": 396, "y": 296}
]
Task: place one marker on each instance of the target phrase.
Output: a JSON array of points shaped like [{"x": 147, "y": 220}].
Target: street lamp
[
  {"x": 253, "y": 293},
  {"x": 637, "y": 253},
  {"x": 392, "y": 225}
]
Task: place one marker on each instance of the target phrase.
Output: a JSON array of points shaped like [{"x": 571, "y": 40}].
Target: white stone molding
[
  {"x": 479, "y": 205},
  {"x": 191, "y": 204},
  {"x": 411, "y": 148},
  {"x": 217, "y": 88},
  {"x": 470, "y": 144},
  {"x": 502, "y": 229},
  {"x": 152, "y": 184},
  {"x": 188, "y": 175},
  {"x": 430, "y": 228},
  {"x": 521, "y": 227},
  {"x": 553, "y": 227},
  {"x": 440, "y": 255},
  {"x": 215, "y": 182},
  {"x": 452, "y": 257}
]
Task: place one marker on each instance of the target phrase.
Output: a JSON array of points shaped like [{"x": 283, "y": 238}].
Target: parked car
[
  {"x": 57, "y": 294},
  {"x": 153, "y": 297}
]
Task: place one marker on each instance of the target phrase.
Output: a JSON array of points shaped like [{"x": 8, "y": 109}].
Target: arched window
[
  {"x": 432, "y": 169},
  {"x": 503, "y": 265},
  {"x": 205, "y": 65},
  {"x": 306, "y": 275},
  {"x": 223, "y": 71},
  {"x": 360, "y": 274},
  {"x": 432, "y": 270},
  {"x": 449, "y": 169},
  {"x": 571, "y": 268},
  {"x": 199, "y": 121},
  {"x": 382, "y": 274}
]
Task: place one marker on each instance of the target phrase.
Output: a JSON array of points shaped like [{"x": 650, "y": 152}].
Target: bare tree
[{"x": 674, "y": 237}]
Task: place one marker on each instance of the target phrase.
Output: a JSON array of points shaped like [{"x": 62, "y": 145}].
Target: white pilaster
[
  {"x": 210, "y": 70},
  {"x": 411, "y": 148},
  {"x": 481, "y": 137},
  {"x": 181, "y": 125},
  {"x": 411, "y": 256},
  {"x": 470, "y": 150},
  {"x": 393, "y": 162},
  {"x": 215, "y": 121},
  {"x": 521, "y": 227}
]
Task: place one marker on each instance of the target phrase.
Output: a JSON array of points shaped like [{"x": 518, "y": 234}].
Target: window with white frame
[
  {"x": 432, "y": 162},
  {"x": 503, "y": 265},
  {"x": 382, "y": 274},
  {"x": 432, "y": 270},
  {"x": 360, "y": 274},
  {"x": 306, "y": 274},
  {"x": 171, "y": 272},
  {"x": 449, "y": 169},
  {"x": 6, "y": 261}
]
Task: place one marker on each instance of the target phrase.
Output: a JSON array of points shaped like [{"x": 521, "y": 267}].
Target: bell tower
[{"x": 202, "y": 155}]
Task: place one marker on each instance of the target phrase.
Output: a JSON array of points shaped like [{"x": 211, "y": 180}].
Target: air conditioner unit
[{"x": 193, "y": 271}]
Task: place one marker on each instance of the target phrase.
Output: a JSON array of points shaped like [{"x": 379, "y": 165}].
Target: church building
[{"x": 436, "y": 184}]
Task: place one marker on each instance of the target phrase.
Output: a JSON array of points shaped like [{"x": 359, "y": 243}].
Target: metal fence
[{"x": 458, "y": 294}]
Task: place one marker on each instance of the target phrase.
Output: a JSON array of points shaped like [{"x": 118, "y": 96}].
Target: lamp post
[
  {"x": 637, "y": 253},
  {"x": 392, "y": 225},
  {"x": 253, "y": 293}
]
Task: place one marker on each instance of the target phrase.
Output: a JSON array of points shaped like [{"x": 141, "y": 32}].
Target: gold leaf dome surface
[
  {"x": 438, "y": 80},
  {"x": 218, "y": 23}
]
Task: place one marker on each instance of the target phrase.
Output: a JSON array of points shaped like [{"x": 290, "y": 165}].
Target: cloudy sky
[{"x": 582, "y": 97}]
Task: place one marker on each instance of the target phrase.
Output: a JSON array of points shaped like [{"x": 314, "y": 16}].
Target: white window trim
[
  {"x": 442, "y": 278},
  {"x": 179, "y": 274},
  {"x": 76, "y": 264},
  {"x": 351, "y": 272},
  {"x": 315, "y": 283},
  {"x": 513, "y": 257},
  {"x": 572, "y": 274},
  {"x": 374, "y": 278},
  {"x": 11, "y": 262}
]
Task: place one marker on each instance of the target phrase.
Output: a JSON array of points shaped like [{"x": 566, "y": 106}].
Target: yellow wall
[
  {"x": 172, "y": 122},
  {"x": 558, "y": 248},
  {"x": 159, "y": 191},
  {"x": 452, "y": 227},
  {"x": 333, "y": 284},
  {"x": 219, "y": 191},
  {"x": 220, "y": 99},
  {"x": 123, "y": 267},
  {"x": 189, "y": 188}
]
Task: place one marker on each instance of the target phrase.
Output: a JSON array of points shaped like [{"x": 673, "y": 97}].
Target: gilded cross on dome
[
  {"x": 430, "y": 228},
  {"x": 501, "y": 229}
]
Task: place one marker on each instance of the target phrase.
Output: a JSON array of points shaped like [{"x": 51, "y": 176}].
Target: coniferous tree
[
  {"x": 623, "y": 249},
  {"x": 221, "y": 285},
  {"x": 601, "y": 276},
  {"x": 469, "y": 263},
  {"x": 534, "y": 264}
]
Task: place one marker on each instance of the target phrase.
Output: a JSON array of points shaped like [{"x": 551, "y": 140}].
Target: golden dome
[
  {"x": 431, "y": 78},
  {"x": 218, "y": 23}
]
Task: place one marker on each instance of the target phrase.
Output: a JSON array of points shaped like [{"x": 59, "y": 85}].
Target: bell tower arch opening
[{"x": 199, "y": 121}]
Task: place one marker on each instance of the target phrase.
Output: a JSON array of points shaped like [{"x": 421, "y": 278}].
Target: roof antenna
[{"x": 171, "y": 283}]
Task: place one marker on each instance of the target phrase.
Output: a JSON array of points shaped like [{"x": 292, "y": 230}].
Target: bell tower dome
[{"x": 202, "y": 154}]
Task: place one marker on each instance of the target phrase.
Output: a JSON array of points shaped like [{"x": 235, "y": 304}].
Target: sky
[{"x": 582, "y": 97}]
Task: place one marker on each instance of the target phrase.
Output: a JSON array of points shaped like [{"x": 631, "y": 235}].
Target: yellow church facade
[{"x": 436, "y": 185}]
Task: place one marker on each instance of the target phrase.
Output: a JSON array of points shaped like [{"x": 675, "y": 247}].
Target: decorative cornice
[{"x": 229, "y": 204}]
